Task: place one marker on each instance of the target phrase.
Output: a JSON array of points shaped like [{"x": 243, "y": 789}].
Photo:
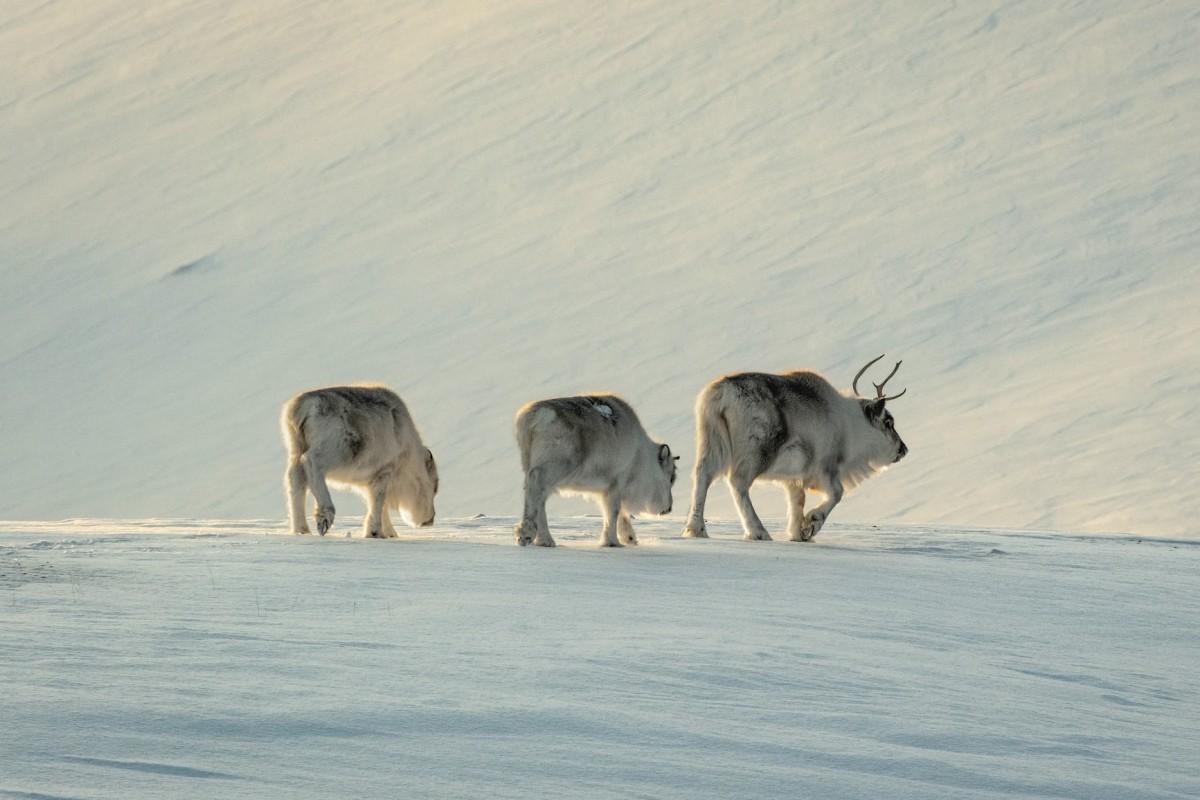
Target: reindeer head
[
  {"x": 879, "y": 417},
  {"x": 664, "y": 480},
  {"x": 414, "y": 491}
]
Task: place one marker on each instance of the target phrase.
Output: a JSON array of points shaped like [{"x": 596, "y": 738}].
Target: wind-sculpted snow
[
  {"x": 208, "y": 208},
  {"x": 190, "y": 658}
]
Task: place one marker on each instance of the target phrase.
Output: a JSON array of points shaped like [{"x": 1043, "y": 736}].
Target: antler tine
[
  {"x": 867, "y": 366},
  {"x": 879, "y": 386}
]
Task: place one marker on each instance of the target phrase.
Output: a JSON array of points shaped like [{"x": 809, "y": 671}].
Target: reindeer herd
[{"x": 793, "y": 429}]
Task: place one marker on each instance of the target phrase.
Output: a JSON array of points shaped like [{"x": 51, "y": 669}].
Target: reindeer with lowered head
[{"x": 795, "y": 430}]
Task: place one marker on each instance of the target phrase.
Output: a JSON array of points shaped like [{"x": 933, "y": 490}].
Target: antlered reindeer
[{"x": 793, "y": 429}]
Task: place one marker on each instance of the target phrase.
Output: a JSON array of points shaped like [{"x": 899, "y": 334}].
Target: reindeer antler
[
  {"x": 867, "y": 366},
  {"x": 878, "y": 386}
]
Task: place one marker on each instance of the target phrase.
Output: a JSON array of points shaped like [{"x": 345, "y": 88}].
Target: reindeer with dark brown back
[{"x": 793, "y": 429}]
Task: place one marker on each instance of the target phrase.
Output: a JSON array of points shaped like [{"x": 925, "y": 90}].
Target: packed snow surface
[
  {"x": 200, "y": 659},
  {"x": 209, "y": 207}
]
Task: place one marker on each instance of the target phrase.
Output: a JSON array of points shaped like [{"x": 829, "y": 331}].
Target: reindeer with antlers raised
[{"x": 793, "y": 429}]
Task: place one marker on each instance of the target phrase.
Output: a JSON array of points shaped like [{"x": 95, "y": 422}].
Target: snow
[
  {"x": 208, "y": 208},
  {"x": 201, "y": 658}
]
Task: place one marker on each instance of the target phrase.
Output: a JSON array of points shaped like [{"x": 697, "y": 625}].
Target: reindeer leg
[
  {"x": 625, "y": 529},
  {"x": 611, "y": 504},
  {"x": 316, "y": 483},
  {"x": 795, "y": 523},
  {"x": 543, "y": 538},
  {"x": 740, "y": 480},
  {"x": 296, "y": 483},
  {"x": 376, "y": 507},
  {"x": 533, "y": 529},
  {"x": 831, "y": 487},
  {"x": 702, "y": 479}
]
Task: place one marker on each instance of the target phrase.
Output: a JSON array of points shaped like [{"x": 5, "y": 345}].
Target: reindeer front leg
[
  {"x": 625, "y": 529},
  {"x": 373, "y": 525},
  {"x": 610, "y": 502},
  {"x": 831, "y": 487},
  {"x": 389, "y": 529}
]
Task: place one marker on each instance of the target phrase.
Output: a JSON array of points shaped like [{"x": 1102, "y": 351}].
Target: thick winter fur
[
  {"x": 361, "y": 438},
  {"x": 794, "y": 429},
  {"x": 591, "y": 445}
]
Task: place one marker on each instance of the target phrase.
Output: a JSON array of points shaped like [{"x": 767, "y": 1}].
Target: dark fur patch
[
  {"x": 873, "y": 411},
  {"x": 587, "y": 407},
  {"x": 768, "y": 448},
  {"x": 764, "y": 388},
  {"x": 363, "y": 396},
  {"x": 775, "y": 393}
]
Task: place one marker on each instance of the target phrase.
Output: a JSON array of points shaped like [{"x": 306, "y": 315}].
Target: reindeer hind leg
[
  {"x": 316, "y": 483},
  {"x": 296, "y": 485}
]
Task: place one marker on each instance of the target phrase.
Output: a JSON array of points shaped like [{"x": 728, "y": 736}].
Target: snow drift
[{"x": 209, "y": 208}]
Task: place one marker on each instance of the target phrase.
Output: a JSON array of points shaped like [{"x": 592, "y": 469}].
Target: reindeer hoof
[
  {"x": 695, "y": 533},
  {"x": 812, "y": 526},
  {"x": 324, "y": 519}
]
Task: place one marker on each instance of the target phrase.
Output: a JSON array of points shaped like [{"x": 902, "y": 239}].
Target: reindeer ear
[
  {"x": 664, "y": 454},
  {"x": 428, "y": 458},
  {"x": 873, "y": 408}
]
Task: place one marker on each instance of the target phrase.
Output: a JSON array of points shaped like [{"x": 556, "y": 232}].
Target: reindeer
[
  {"x": 592, "y": 445},
  {"x": 793, "y": 429},
  {"x": 362, "y": 438}
]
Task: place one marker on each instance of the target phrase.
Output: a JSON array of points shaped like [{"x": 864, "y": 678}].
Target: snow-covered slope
[
  {"x": 207, "y": 207},
  {"x": 911, "y": 662}
]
